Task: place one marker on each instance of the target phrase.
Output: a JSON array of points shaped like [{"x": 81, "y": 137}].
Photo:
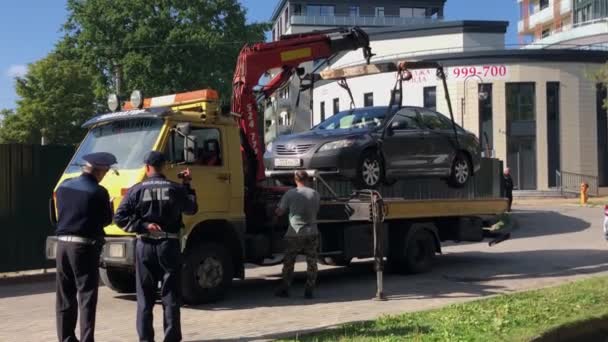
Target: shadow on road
[{"x": 533, "y": 223}]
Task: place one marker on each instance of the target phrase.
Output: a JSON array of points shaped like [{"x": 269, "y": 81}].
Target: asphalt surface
[{"x": 554, "y": 243}]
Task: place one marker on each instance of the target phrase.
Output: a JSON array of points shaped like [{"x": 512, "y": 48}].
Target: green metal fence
[{"x": 28, "y": 174}]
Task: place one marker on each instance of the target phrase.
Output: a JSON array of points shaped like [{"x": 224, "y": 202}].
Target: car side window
[
  {"x": 208, "y": 146},
  {"x": 405, "y": 119},
  {"x": 435, "y": 121}
]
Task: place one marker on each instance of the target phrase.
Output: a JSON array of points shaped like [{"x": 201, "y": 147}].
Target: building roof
[{"x": 440, "y": 27}]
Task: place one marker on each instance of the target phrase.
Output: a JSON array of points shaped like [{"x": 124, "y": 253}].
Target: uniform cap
[
  {"x": 155, "y": 158},
  {"x": 100, "y": 159}
]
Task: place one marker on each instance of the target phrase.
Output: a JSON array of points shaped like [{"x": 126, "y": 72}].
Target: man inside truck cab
[
  {"x": 153, "y": 210},
  {"x": 302, "y": 237}
]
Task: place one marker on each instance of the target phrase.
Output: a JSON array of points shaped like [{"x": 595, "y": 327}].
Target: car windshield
[
  {"x": 128, "y": 140},
  {"x": 363, "y": 118}
]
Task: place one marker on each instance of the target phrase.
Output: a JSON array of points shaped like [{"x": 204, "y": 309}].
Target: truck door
[{"x": 211, "y": 175}]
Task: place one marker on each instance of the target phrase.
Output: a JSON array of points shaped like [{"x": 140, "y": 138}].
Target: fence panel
[
  {"x": 569, "y": 182},
  {"x": 28, "y": 174}
]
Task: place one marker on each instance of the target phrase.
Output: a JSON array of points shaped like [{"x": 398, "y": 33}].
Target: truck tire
[
  {"x": 417, "y": 254},
  {"x": 118, "y": 280},
  {"x": 207, "y": 273}
]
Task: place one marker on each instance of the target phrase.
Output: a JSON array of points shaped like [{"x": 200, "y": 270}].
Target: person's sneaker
[
  {"x": 281, "y": 292},
  {"x": 308, "y": 294}
]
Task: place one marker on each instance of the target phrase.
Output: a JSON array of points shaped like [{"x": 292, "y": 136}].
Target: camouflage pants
[{"x": 306, "y": 245}]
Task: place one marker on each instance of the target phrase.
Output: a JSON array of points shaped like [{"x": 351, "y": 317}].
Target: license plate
[{"x": 285, "y": 162}]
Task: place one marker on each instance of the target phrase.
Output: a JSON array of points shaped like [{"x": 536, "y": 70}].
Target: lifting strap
[{"x": 344, "y": 85}]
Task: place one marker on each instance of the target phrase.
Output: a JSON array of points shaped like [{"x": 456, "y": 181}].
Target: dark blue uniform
[
  {"x": 83, "y": 210},
  {"x": 158, "y": 257}
]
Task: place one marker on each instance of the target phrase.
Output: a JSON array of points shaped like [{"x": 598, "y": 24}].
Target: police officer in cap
[
  {"x": 83, "y": 210},
  {"x": 153, "y": 209}
]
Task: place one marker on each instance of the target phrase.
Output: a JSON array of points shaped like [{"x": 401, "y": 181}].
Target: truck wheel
[
  {"x": 207, "y": 273},
  {"x": 415, "y": 255},
  {"x": 118, "y": 280},
  {"x": 419, "y": 252},
  {"x": 335, "y": 261}
]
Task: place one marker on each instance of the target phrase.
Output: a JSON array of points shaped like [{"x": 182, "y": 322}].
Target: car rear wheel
[
  {"x": 461, "y": 171},
  {"x": 370, "y": 171}
]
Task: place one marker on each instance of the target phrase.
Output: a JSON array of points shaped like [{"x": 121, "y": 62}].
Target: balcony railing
[{"x": 358, "y": 21}]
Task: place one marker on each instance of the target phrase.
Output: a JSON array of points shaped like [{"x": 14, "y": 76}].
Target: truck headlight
[
  {"x": 336, "y": 145},
  {"x": 117, "y": 250}
]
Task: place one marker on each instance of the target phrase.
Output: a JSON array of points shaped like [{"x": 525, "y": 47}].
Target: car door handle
[{"x": 224, "y": 177}]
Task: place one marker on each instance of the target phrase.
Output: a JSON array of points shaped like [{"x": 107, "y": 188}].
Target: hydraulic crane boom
[{"x": 286, "y": 54}]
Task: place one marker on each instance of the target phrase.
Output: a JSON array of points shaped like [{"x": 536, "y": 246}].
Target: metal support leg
[{"x": 377, "y": 219}]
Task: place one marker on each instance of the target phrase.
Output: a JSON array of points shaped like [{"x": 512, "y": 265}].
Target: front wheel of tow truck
[
  {"x": 118, "y": 280},
  {"x": 207, "y": 273}
]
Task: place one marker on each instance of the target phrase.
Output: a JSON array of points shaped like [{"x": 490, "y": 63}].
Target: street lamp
[{"x": 481, "y": 96}]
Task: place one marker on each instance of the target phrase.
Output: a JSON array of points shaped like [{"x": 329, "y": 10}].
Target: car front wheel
[
  {"x": 370, "y": 171},
  {"x": 461, "y": 171}
]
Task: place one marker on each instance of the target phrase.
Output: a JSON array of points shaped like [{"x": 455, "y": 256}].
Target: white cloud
[{"x": 16, "y": 70}]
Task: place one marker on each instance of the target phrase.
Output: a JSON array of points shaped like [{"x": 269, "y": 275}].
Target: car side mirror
[{"x": 190, "y": 149}]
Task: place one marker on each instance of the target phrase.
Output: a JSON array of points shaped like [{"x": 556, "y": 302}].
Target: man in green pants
[{"x": 302, "y": 237}]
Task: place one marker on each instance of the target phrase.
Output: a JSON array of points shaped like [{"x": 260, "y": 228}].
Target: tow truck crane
[{"x": 224, "y": 150}]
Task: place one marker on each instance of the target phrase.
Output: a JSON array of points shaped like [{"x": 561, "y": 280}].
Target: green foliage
[
  {"x": 159, "y": 46},
  {"x": 516, "y": 317},
  {"x": 56, "y": 97}
]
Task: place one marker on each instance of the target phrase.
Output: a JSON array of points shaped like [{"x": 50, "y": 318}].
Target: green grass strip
[{"x": 515, "y": 317}]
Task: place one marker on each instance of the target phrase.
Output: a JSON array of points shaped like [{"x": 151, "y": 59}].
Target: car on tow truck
[{"x": 372, "y": 145}]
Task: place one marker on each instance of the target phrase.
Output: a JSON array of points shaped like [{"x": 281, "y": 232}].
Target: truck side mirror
[{"x": 190, "y": 149}]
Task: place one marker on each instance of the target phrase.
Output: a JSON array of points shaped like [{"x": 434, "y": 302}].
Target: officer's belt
[
  {"x": 76, "y": 239},
  {"x": 159, "y": 236}
]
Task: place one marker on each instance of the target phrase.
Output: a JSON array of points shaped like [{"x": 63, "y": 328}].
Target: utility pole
[{"x": 117, "y": 78}]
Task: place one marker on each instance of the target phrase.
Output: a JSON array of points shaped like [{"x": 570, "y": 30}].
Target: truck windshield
[{"x": 128, "y": 140}]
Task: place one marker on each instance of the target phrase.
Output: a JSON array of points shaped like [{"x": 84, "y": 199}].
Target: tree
[
  {"x": 56, "y": 97},
  {"x": 159, "y": 46}
]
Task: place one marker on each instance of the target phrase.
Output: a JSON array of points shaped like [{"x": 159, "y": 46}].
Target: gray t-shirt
[{"x": 302, "y": 203}]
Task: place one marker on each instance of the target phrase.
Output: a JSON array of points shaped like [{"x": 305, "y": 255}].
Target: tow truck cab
[{"x": 193, "y": 132}]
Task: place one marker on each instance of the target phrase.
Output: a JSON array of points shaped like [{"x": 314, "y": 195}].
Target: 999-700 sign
[{"x": 483, "y": 71}]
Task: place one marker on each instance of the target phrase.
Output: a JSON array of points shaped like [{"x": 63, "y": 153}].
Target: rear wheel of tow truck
[
  {"x": 118, "y": 280},
  {"x": 207, "y": 273},
  {"x": 419, "y": 253}
]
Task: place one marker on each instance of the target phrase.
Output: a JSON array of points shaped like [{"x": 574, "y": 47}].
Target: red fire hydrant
[{"x": 584, "y": 196}]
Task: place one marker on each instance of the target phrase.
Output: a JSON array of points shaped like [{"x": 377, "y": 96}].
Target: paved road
[{"x": 552, "y": 245}]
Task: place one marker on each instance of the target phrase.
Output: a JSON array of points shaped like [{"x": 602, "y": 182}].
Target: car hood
[{"x": 318, "y": 135}]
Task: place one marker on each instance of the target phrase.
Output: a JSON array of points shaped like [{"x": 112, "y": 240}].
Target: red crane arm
[{"x": 287, "y": 54}]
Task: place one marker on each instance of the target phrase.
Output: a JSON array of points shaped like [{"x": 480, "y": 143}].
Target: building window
[
  {"x": 322, "y": 111},
  {"x": 486, "y": 113},
  {"x": 286, "y": 17},
  {"x": 353, "y": 11},
  {"x": 297, "y": 9},
  {"x": 546, "y": 33},
  {"x": 429, "y": 95},
  {"x": 320, "y": 10},
  {"x": 521, "y": 134},
  {"x": 368, "y": 99},
  {"x": 379, "y": 12},
  {"x": 336, "y": 106},
  {"x": 602, "y": 135},
  {"x": 412, "y": 12},
  {"x": 544, "y": 4},
  {"x": 553, "y": 136}
]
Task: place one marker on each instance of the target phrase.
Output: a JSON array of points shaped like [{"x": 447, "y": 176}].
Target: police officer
[
  {"x": 153, "y": 209},
  {"x": 83, "y": 210},
  {"x": 302, "y": 237}
]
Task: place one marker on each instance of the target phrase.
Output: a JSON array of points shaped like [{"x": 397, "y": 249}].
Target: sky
[{"x": 29, "y": 30}]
